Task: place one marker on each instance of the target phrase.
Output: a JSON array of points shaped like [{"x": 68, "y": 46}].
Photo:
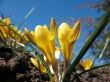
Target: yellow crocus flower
[
  {"x": 67, "y": 38},
  {"x": 44, "y": 40},
  {"x": 7, "y": 33},
  {"x": 3, "y": 28},
  {"x": 86, "y": 64},
  {"x": 38, "y": 65}
]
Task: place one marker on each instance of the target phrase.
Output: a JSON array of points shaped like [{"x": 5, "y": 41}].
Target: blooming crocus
[
  {"x": 7, "y": 33},
  {"x": 67, "y": 38},
  {"x": 86, "y": 64},
  {"x": 3, "y": 28},
  {"x": 44, "y": 39},
  {"x": 38, "y": 65}
]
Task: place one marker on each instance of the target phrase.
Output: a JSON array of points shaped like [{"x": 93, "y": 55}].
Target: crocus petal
[
  {"x": 53, "y": 31},
  {"x": 75, "y": 32},
  {"x": 86, "y": 64},
  {"x": 42, "y": 37},
  {"x": 7, "y": 21},
  {"x": 1, "y": 36},
  {"x": 11, "y": 33},
  {"x": 20, "y": 40},
  {"x": 30, "y": 35},
  {"x": 35, "y": 63},
  {"x": 67, "y": 37},
  {"x": 3, "y": 32},
  {"x": 63, "y": 32},
  {"x": 73, "y": 37}
]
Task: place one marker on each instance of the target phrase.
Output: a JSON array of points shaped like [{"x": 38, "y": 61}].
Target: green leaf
[{"x": 102, "y": 24}]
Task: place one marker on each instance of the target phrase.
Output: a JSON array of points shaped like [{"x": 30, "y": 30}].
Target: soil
[
  {"x": 97, "y": 75},
  {"x": 15, "y": 66}
]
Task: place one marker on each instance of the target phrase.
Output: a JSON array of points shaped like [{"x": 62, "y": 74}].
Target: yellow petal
[
  {"x": 3, "y": 32},
  {"x": 73, "y": 37},
  {"x": 67, "y": 37},
  {"x": 30, "y": 36},
  {"x": 1, "y": 36},
  {"x": 17, "y": 38},
  {"x": 42, "y": 34},
  {"x": 63, "y": 31},
  {"x": 63, "y": 34},
  {"x": 11, "y": 33},
  {"x": 42, "y": 37},
  {"x": 86, "y": 64},
  {"x": 25, "y": 38},
  {"x": 6, "y": 30},
  {"x": 75, "y": 32},
  {"x": 7, "y": 21},
  {"x": 53, "y": 31},
  {"x": 35, "y": 63}
]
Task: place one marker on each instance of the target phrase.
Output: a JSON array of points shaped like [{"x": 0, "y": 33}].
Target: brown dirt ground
[
  {"x": 98, "y": 75},
  {"x": 15, "y": 66}
]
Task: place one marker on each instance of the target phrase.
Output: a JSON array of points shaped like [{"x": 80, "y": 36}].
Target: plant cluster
[{"x": 45, "y": 40}]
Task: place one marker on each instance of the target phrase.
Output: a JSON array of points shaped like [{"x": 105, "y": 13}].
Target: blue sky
[{"x": 61, "y": 10}]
